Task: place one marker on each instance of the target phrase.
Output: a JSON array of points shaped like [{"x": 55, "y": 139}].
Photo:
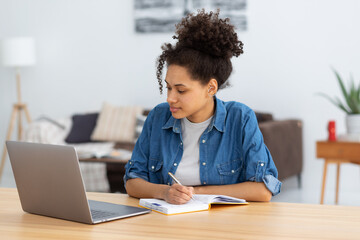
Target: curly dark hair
[{"x": 205, "y": 46}]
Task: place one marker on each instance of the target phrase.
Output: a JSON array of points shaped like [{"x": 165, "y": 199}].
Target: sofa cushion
[
  {"x": 263, "y": 117},
  {"x": 82, "y": 128},
  {"x": 284, "y": 140},
  {"x": 116, "y": 123}
]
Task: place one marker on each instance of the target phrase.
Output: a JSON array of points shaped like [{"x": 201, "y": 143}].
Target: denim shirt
[{"x": 231, "y": 150}]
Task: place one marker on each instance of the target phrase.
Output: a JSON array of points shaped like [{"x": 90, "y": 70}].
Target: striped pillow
[{"x": 116, "y": 123}]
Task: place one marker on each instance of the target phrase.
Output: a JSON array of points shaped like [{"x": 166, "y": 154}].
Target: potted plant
[{"x": 351, "y": 105}]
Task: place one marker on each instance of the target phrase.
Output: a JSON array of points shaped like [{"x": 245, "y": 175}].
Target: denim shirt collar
[
  {"x": 218, "y": 120},
  {"x": 173, "y": 123}
]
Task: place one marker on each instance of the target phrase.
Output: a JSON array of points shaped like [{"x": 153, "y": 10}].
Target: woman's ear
[{"x": 212, "y": 87}]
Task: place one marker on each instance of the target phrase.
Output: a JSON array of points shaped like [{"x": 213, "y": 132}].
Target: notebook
[
  {"x": 49, "y": 183},
  {"x": 200, "y": 202}
]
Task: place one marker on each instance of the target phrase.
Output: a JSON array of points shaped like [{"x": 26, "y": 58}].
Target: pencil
[{"x": 177, "y": 181}]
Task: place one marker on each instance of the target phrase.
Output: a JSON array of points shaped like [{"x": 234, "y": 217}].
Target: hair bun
[{"x": 207, "y": 33}]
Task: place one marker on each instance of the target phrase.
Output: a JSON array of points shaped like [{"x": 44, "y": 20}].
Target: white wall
[{"x": 88, "y": 53}]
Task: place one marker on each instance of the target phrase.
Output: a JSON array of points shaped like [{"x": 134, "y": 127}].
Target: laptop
[{"x": 49, "y": 183}]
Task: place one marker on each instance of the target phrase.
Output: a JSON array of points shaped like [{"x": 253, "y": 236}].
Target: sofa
[
  {"x": 282, "y": 137},
  {"x": 284, "y": 141},
  {"x": 93, "y": 135}
]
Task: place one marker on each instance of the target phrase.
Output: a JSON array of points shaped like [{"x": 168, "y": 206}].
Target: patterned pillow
[{"x": 116, "y": 123}]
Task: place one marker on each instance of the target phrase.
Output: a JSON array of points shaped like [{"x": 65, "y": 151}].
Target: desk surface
[{"x": 253, "y": 221}]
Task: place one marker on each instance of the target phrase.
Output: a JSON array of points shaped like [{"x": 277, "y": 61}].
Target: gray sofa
[{"x": 282, "y": 137}]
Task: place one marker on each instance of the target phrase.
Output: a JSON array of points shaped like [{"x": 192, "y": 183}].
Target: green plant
[{"x": 351, "y": 96}]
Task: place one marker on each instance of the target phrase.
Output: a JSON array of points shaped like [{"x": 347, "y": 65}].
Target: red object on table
[{"x": 332, "y": 132}]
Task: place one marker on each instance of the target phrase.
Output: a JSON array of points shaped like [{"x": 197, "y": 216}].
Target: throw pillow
[
  {"x": 116, "y": 123},
  {"x": 82, "y": 128}
]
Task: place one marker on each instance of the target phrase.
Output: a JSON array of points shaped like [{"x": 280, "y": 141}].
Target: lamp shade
[{"x": 18, "y": 52}]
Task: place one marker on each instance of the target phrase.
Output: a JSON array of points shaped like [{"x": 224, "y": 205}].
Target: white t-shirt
[{"x": 188, "y": 171}]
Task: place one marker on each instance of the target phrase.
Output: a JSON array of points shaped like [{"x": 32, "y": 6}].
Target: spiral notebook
[{"x": 200, "y": 202}]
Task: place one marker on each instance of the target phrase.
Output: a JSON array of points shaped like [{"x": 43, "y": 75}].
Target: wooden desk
[
  {"x": 338, "y": 153},
  {"x": 254, "y": 221}
]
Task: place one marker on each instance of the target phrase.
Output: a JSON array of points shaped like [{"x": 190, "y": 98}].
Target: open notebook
[{"x": 200, "y": 202}]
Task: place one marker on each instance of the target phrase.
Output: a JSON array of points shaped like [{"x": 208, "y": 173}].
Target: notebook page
[
  {"x": 167, "y": 208},
  {"x": 205, "y": 198}
]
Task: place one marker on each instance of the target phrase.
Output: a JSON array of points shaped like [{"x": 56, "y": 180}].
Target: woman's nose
[{"x": 171, "y": 98}]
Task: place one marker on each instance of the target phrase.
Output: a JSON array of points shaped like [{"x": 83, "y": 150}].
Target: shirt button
[
  {"x": 204, "y": 183},
  {"x": 130, "y": 163},
  {"x": 262, "y": 164},
  {"x": 152, "y": 167},
  {"x": 175, "y": 164},
  {"x": 203, "y": 141},
  {"x": 204, "y": 163},
  {"x": 168, "y": 183},
  {"x": 181, "y": 143},
  {"x": 232, "y": 171}
]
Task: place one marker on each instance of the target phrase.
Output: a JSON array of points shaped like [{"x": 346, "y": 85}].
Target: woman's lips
[{"x": 174, "y": 109}]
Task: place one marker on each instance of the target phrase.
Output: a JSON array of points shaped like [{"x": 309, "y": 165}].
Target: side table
[
  {"x": 115, "y": 170},
  {"x": 336, "y": 152}
]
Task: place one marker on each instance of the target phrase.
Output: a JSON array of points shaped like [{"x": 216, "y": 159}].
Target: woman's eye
[{"x": 179, "y": 91}]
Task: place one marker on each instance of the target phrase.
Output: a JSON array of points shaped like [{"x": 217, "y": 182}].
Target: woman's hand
[{"x": 178, "y": 194}]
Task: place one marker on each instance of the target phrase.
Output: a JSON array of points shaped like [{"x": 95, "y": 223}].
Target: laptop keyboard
[{"x": 96, "y": 214}]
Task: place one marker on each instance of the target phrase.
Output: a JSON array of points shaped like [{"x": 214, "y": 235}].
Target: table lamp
[{"x": 17, "y": 52}]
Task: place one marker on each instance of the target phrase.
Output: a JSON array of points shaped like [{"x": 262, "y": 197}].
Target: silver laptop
[{"x": 49, "y": 183}]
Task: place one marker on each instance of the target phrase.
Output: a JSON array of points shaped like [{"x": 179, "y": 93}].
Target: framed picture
[{"x": 160, "y": 16}]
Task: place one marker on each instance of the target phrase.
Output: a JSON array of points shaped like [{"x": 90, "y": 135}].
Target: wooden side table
[
  {"x": 115, "y": 167},
  {"x": 115, "y": 171},
  {"x": 105, "y": 160},
  {"x": 336, "y": 152}
]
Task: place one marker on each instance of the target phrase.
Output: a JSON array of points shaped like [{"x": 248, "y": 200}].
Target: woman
[{"x": 211, "y": 146}]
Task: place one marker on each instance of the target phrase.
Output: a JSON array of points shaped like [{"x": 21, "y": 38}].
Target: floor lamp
[{"x": 16, "y": 53}]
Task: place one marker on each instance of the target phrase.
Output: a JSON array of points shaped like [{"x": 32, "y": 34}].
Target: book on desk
[{"x": 200, "y": 202}]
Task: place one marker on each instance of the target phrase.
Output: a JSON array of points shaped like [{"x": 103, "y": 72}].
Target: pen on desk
[{"x": 176, "y": 180}]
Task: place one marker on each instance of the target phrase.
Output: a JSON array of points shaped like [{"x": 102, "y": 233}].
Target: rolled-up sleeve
[
  {"x": 259, "y": 165},
  {"x": 137, "y": 166}
]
